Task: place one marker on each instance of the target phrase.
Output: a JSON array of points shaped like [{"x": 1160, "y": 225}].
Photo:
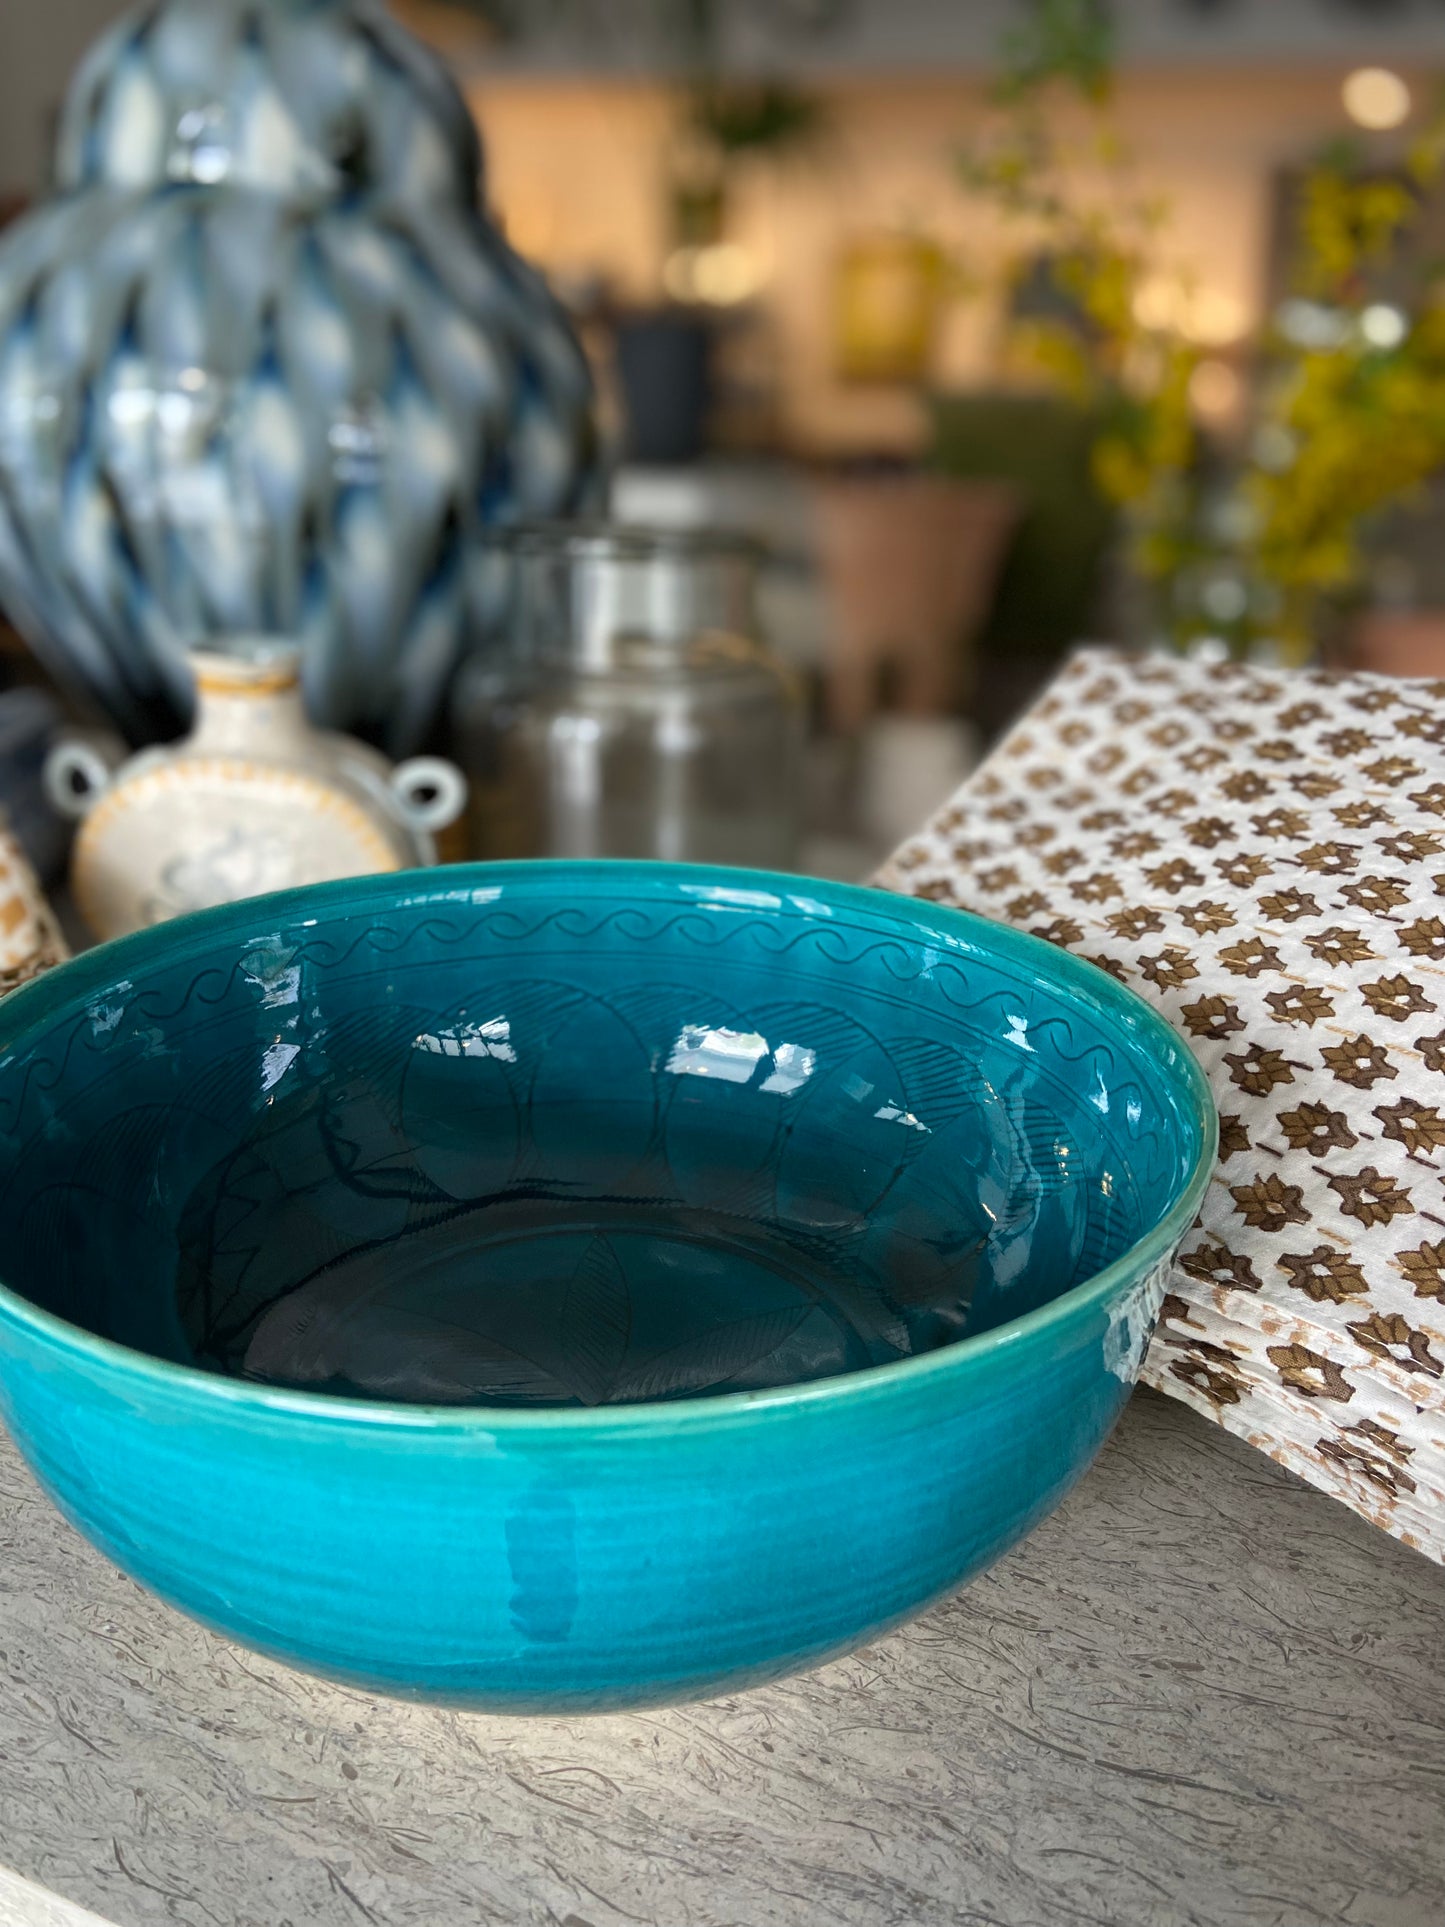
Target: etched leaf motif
[
  {"x": 713, "y": 1358},
  {"x": 596, "y": 1322},
  {"x": 338, "y": 1334}
]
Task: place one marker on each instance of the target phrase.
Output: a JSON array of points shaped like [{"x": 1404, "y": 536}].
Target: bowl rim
[{"x": 942, "y": 926}]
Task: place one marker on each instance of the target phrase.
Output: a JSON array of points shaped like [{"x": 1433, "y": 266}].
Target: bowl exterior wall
[{"x": 561, "y": 1568}]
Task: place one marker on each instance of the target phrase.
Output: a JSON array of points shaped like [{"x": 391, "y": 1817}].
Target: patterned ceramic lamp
[{"x": 265, "y": 368}]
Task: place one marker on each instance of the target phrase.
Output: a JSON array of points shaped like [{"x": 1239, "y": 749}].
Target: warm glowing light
[
  {"x": 1376, "y": 98},
  {"x": 1156, "y": 304},
  {"x": 721, "y": 275},
  {"x": 1215, "y": 390},
  {"x": 1213, "y": 318},
  {"x": 1207, "y": 316}
]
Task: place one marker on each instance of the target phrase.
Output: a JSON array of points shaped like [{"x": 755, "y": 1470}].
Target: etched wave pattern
[
  {"x": 265, "y": 367},
  {"x": 522, "y": 1154}
]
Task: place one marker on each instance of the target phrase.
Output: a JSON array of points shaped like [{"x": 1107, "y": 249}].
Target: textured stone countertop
[{"x": 1201, "y": 1693}]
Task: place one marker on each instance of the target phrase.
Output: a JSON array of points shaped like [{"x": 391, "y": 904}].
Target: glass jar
[{"x": 636, "y": 711}]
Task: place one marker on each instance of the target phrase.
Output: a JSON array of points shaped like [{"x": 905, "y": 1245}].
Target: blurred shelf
[{"x": 883, "y": 39}]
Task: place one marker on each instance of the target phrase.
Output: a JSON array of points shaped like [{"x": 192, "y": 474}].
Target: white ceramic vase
[{"x": 254, "y": 799}]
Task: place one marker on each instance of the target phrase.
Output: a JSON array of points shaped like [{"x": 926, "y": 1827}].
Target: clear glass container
[{"x": 636, "y": 712}]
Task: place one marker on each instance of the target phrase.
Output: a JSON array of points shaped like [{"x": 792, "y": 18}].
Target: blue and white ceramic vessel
[{"x": 265, "y": 367}]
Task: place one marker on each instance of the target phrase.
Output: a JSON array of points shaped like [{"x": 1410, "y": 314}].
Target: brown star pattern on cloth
[
  {"x": 1261, "y": 855},
  {"x": 29, "y": 939}
]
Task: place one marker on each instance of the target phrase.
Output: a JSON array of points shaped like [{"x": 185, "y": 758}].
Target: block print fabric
[{"x": 1262, "y": 856}]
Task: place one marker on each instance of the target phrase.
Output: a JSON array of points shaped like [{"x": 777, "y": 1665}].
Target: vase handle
[
  {"x": 430, "y": 793},
  {"x": 76, "y": 776}
]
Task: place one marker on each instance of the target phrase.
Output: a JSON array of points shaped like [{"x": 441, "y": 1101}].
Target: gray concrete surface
[{"x": 1202, "y": 1695}]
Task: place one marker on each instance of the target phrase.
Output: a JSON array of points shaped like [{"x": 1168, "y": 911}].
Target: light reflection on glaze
[
  {"x": 734, "y": 1057},
  {"x": 492, "y": 1039},
  {"x": 587, "y": 1188}
]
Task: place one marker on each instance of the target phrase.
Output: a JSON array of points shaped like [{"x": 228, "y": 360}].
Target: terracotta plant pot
[
  {"x": 1404, "y": 643},
  {"x": 910, "y": 564}
]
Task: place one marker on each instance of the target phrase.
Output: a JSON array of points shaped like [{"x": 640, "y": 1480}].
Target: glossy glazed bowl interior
[{"x": 508, "y": 1284}]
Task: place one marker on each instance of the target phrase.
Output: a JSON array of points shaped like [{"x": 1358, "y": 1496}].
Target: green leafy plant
[
  {"x": 1082, "y": 261},
  {"x": 1069, "y": 40},
  {"x": 686, "y": 39},
  {"x": 752, "y": 117}
]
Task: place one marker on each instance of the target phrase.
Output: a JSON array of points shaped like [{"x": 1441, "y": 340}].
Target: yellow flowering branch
[{"x": 1354, "y": 417}]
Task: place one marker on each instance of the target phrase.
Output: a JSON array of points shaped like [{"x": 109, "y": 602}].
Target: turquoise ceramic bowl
[{"x": 561, "y": 1287}]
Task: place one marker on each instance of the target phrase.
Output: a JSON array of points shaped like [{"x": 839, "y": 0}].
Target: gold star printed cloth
[{"x": 1262, "y": 856}]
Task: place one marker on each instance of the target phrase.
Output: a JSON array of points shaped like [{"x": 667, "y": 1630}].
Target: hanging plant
[{"x": 722, "y": 117}]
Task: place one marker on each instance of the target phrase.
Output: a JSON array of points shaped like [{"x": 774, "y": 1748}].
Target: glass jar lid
[{"x": 600, "y": 592}]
